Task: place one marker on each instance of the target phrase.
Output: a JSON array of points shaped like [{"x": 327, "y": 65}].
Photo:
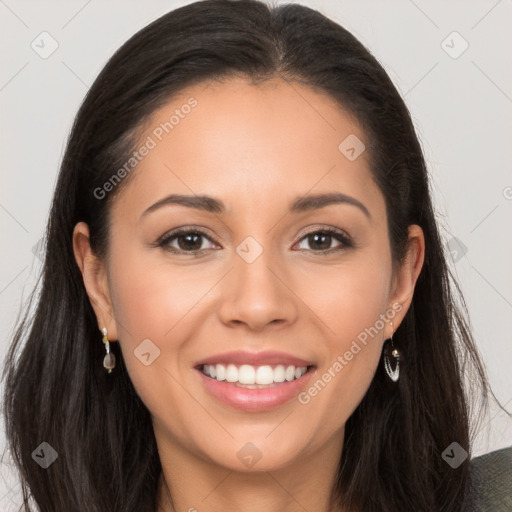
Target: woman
[{"x": 245, "y": 302}]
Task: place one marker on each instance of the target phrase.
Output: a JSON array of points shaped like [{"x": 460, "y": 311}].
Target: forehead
[{"x": 250, "y": 145}]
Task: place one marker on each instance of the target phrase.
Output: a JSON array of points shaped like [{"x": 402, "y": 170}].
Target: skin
[{"x": 256, "y": 148}]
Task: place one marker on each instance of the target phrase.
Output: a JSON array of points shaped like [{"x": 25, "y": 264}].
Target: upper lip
[{"x": 269, "y": 357}]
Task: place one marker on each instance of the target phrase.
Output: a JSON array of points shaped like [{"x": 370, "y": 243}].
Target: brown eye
[
  {"x": 321, "y": 240},
  {"x": 188, "y": 241}
]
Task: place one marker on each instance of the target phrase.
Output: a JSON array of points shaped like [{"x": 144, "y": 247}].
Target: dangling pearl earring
[
  {"x": 392, "y": 374},
  {"x": 109, "y": 361}
]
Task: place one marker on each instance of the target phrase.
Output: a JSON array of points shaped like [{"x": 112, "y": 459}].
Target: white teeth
[
  {"x": 231, "y": 373},
  {"x": 251, "y": 375},
  {"x": 246, "y": 374},
  {"x": 264, "y": 375},
  {"x": 221, "y": 372}
]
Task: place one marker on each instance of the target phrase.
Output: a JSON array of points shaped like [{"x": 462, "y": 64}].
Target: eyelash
[{"x": 164, "y": 240}]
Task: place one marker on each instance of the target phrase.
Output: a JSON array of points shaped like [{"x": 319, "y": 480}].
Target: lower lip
[{"x": 255, "y": 400}]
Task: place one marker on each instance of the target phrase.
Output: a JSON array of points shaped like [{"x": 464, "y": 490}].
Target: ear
[
  {"x": 406, "y": 274},
  {"x": 94, "y": 275}
]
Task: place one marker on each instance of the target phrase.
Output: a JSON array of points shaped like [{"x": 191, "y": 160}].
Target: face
[{"x": 260, "y": 275}]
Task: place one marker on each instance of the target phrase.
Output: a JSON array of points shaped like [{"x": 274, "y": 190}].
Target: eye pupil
[
  {"x": 195, "y": 246},
  {"x": 316, "y": 236}
]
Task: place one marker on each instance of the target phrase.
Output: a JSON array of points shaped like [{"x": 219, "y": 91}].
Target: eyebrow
[{"x": 300, "y": 204}]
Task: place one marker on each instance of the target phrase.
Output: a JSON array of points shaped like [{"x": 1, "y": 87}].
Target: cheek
[
  {"x": 350, "y": 298},
  {"x": 150, "y": 294},
  {"x": 354, "y": 305},
  {"x": 144, "y": 302},
  {"x": 150, "y": 304},
  {"x": 154, "y": 312}
]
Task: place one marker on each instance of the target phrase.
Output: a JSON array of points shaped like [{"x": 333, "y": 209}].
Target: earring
[
  {"x": 392, "y": 374},
  {"x": 109, "y": 361}
]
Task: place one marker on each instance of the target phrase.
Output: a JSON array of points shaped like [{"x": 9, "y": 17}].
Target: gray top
[{"x": 492, "y": 481}]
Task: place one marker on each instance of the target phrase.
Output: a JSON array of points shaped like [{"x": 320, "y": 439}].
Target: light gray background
[{"x": 461, "y": 107}]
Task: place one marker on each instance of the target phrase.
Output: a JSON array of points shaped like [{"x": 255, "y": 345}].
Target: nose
[{"x": 258, "y": 294}]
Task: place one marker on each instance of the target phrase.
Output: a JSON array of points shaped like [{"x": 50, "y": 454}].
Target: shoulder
[{"x": 491, "y": 486}]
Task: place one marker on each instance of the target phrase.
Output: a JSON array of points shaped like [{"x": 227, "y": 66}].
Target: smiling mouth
[{"x": 254, "y": 377}]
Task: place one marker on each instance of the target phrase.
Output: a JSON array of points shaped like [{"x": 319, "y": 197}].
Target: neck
[{"x": 197, "y": 485}]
